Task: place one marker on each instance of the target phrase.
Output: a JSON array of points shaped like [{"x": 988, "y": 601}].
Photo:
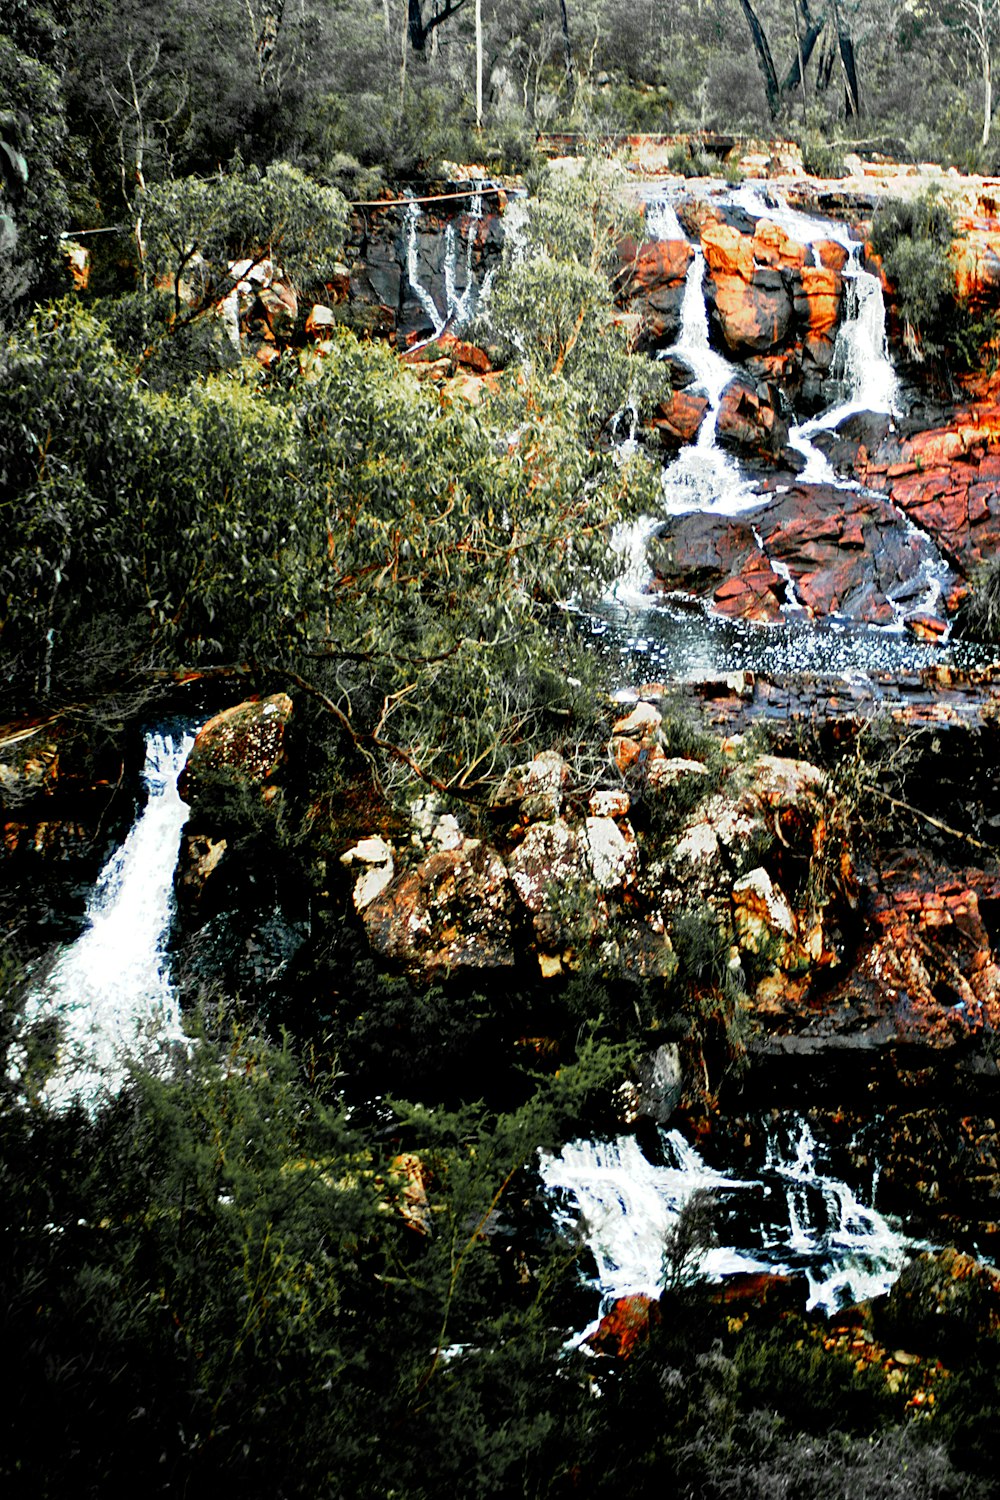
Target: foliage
[
  {"x": 913, "y": 237},
  {"x": 221, "y": 1277},
  {"x": 979, "y": 616},
  {"x": 33, "y": 198},
  {"x": 278, "y": 215},
  {"x": 551, "y": 309},
  {"x": 351, "y": 531}
]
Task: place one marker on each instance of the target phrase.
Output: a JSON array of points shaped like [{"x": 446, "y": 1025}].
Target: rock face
[
  {"x": 384, "y": 244},
  {"x": 652, "y": 278},
  {"x": 58, "y": 800},
  {"x": 833, "y": 552},
  {"x": 772, "y": 307},
  {"x": 945, "y": 477}
]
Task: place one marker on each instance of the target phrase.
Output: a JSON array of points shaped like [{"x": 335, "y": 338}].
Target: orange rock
[
  {"x": 626, "y": 1326},
  {"x": 822, "y": 291},
  {"x": 727, "y": 252},
  {"x": 773, "y": 247},
  {"x": 831, "y": 254},
  {"x": 660, "y": 262}
]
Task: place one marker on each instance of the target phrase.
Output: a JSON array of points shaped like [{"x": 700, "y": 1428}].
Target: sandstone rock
[
  {"x": 453, "y": 911},
  {"x": 644, "y": 719},
  {"x": 678, "y": 420},
  {"x": 200, "y": 857},
  {"x": 321, "y": 321},
  {"x": 247, "y": 742},
  {"x": 755, "y": 315},
  {"x": 609, "y": 804},
  {"x": 281, "y": 308},
  {"x": 626, "y": 1327},
  {"x": 536, "y": 789},
  {"x": 613, "y": 853},
  {"x": 375, "y": 857},
  {"x": 773, "y": 246},
  {"x": 547, "y": 859}
]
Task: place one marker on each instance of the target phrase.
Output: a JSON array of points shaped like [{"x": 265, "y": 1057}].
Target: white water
[
  {"x": 460, "y": 299},
  {"x": 111, "y": 989},
  {"x": 791, "y": 1216},
  {"x": 705, "y": 478}
]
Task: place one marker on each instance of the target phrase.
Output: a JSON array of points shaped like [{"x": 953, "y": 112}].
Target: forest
[{"x": 306, "y": 1248}]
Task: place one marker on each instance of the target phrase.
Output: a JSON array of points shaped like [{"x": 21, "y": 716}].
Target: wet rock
[
  {"x": 945, "y": 477},
  {"x": 754, "y": 315},
  {"x": 750, "y": 421},
  {"x": 845, "y": 551},
  {"x": 661, "y": 1083},
  {"x": 717, "y": 557}
]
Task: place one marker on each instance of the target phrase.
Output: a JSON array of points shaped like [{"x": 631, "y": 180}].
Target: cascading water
[
  {"x": 660, "y": 637},
  {"x": 460, "y": 290},
  {"x": 791, "y": 1216},
  {"x": 111, "y": 990}
]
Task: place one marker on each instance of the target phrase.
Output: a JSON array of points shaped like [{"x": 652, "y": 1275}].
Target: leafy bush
[{"x": 979, "y": 616}]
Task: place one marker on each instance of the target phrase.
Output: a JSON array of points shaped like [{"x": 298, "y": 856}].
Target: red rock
[
  {"x": 452, "y": 911},
  {"x": 818, "y": 299},
  {"x": 677, "y": 420},
  {"x": 626, "y": 1326},
  {"x": 660, "y": 263},
  {"x": 926, "y": 627},
  {"x": 831, "y": 254}
]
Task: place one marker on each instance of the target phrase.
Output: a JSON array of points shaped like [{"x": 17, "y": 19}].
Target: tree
[
  {"x": 420, "y": 29},
  {"x": 979, "y": 21}
]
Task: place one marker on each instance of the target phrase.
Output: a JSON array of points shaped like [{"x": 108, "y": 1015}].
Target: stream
[{"x": 112, "y": 986}]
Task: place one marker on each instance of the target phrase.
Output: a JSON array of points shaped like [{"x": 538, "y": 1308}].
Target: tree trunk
[
  {"x": 566, "y": 43},
  {"x": 804, "y": 51},
  {"x": 764, "y": 59},
  {"x": 987, "y": 94},
  {"x": 845, "y": 45},
  {"x": 479, "y": 64}
]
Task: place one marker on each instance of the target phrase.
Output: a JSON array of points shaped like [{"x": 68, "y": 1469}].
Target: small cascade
[
  {"x": 461, "y": 303},
  {"x": 861, "y": 369},
  {"x": 662, "y": 222},
  {"x": 111, "y": 988},
  {"x": 790, "y": 1216},
  {"x": 461, "y": 293}
]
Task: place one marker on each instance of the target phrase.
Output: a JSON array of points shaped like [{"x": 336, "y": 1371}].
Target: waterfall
[
  {"x": 460, "y": 302},
  {"x": 861, "y": 368},
  {"x": 111, "y": 988},
  {"x": 790, "y": 1216},
  {"x": 423, "y": 296}
]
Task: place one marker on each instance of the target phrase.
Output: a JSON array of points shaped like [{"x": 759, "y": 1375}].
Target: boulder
[
  {"x": 678, "y": 419},
  {"x": 652, "y": 278},
  {"x": 626, "y": 1327},
  {"x": 246, "y": 742},
  {"x": 749, "y": 420},
  {"x": 374, "y": 858},
  {"x": 452, "y": 911}
]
